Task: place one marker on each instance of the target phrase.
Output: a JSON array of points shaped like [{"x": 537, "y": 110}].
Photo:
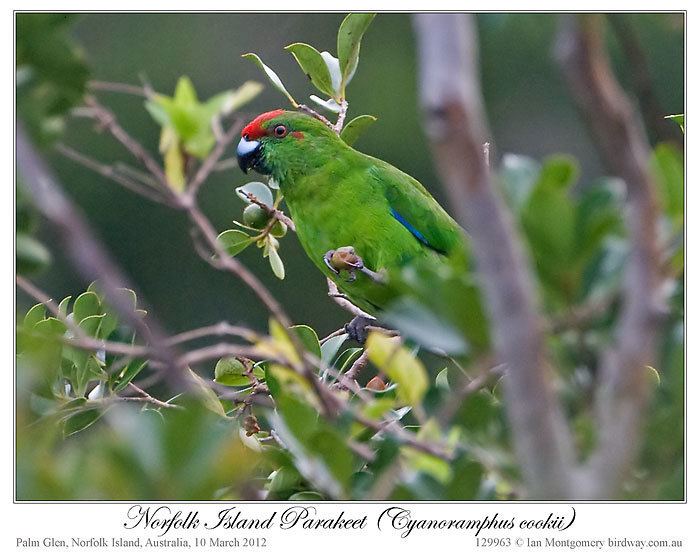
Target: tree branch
[
  {"x": 451, "y": 99},
  {"x": 624, "y": 390}
]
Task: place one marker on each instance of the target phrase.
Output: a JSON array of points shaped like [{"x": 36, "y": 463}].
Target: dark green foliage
[{"x": 51, "y": 73}]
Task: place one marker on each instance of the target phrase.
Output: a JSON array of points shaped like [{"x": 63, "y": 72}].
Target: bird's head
[{"x": 279, "y": 142}]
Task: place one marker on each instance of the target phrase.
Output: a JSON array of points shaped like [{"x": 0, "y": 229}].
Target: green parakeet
[{"x": 339, "y": 198}]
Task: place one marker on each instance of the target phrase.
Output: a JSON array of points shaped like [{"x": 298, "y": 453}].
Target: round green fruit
[{"x": 255, "y": 217}]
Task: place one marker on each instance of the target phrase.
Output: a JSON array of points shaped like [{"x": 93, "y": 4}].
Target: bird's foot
[
  {"x": 345, "y": 258},
  {"x": 357, "y": 328}
]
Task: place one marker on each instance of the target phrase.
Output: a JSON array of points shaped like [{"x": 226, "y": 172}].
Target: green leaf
[
  {"x": 42, "y": 344},
  {"x": 91, "y": 325},
  {"x": 330, "y": 348},
  {"x": 313, "y": 65},
  {"x": 185, "y": 93},
  {"x": 173, "y": 159},
  {"x": 667, "y": 165},
  {"x": 598, "y": 214},
  {"x": 478, "y": 411},
  {"x": 259, "y": 190},
  {"x": 276, "y": 262},
  {"x": 308, "y": 338},
  {"x": 320, "y": 452},
  {"x": 128, "y": 373},
  {"x": 421, "y": 325},
  {"x": 305, "y": 497},
  {"x": 130, "y": 295},
  {"x": 232, "y": 372},
  {"x": 441, "y": 380},
  {"x": 234, "y": 241},
  {"x": 272, "y": 76},
  {"x": 466, "y": 480},
  {"x": 330, "y": 104},
  {"x": 654, "y": 374},
  {"x": 86, "y": 305},
  {"x": 352, "y": 131},
  {"x": 50, "y": 327},
  {"x": 51, "y": 72},
  {"x": 549, "y": 221},
  {"x": 347, "y": 359},
  {"x": 603, "y": 275},
  {"x": 445, "y": 291},
  {"x": 110, "y": 321},
  {"x": 350, "y": 35},
  {"x": 283, "y": 481},
  {"x": 333, "y": 65},
  {"x": 32, "y": 256},
  {"x": 86, "y": 365},
  {"x": 400, "y": 365},
  {"x": 378, "y": 407},
  {"x": 209, "y": 398},
  {"x": 518, "y": 176},
  {"x": 232, "y": 100},
  {"x": 187, "y": 122},
  {"x": 437, "y": 468},
  {"x": 82, "y": 420},
  {"x": 63, "y": 306},
  {"x": 34, "y": 315},
  {"x": 273, "y": 383},
  {"x": 678, "y": 119}
]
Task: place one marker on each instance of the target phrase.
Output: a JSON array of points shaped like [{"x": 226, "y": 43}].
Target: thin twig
[
  {"x": 135, "y": 174},
  {"x": 148, "y": 398},
  {"x": 342, "y": 301},
  {"x": 316, "y": 115},
  {"x": 225, "y": 164},
  {"x": 118, "y": 87},
  {"x": 332, "y": 335},
  {"x": 357, "y": 367},
  {"x": 107, "y": 120},
  {"x": 219, "y": 329},
  {"x": 338, "y": 126},
  {"x": 222, "y": 350},
  {"x": 110, "y": 172},
  {"x": 278, "y": 214},
  {"x": 583, "y": 315}
]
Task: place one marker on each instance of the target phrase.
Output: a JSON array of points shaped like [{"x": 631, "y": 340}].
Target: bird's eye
[{"x": 280, "y": 131}]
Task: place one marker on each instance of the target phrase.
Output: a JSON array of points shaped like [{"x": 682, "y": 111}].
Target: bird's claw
[
  {"x": 344, "y": 258},
  {"x": 357, "y": 328}
]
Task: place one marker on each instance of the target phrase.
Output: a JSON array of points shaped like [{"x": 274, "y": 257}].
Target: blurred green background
[{"x": 530, "y": 113}]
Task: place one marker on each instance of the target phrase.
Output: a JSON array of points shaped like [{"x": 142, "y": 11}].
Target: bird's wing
[{"x": 413, "y": 206}]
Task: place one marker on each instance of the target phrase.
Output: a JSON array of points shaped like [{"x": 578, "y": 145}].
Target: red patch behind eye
[
  {"x": 254, "y": 128},
  {"x": 297, "y": 134}
]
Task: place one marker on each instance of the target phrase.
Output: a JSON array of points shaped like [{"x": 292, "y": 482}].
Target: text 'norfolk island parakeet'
[{"x": 341, "y": 198}]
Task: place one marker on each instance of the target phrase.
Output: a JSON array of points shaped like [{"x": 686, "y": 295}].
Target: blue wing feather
[{"x": 417, "y": 234}]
